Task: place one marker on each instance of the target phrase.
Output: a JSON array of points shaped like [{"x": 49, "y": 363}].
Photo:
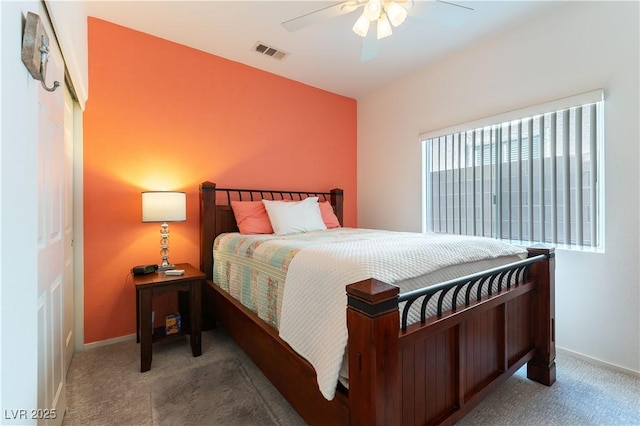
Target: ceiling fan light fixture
[
  {"x": 396, "y": 13},
  {"x": 384, "y": 27},
  {"x": 361, "y": 27},
  {"x": 372, "y": 10}
]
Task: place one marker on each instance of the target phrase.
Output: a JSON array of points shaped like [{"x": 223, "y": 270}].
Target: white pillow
[{"x": 289, "y": 217}]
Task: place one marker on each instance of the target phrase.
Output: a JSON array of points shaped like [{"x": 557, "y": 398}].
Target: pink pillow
[
  {"x": 328, "y": 216},
  {"x": 251, "y": 217}
]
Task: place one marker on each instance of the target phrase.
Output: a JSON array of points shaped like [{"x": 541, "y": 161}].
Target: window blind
[{"x": 532, "y": 179}]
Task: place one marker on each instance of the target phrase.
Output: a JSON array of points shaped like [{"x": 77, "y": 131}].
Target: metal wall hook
[
  {"x": 44, "y": 59},
  {"x": 35, "y": 50}
]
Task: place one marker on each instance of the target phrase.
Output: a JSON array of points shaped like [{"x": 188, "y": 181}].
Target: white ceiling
[{"x": 326, "y": 54}]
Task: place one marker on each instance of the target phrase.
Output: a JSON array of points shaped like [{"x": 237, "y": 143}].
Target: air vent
[{"x": 269, "y": 51}]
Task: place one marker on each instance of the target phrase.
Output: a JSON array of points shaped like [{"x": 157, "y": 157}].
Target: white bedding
[{"x": 313, "y": 318}]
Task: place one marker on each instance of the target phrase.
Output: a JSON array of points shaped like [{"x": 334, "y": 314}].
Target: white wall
[
  {"x": 1, "y": 364},
  {"x": 69, "y": 20},
  {"x": 576, "y": 48},
  {"x": 19, "y": 195},
  {"x": 18, "y": 220}
]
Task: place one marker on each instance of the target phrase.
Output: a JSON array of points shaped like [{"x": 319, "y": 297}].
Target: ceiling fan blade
[
  {"x": 369, "y": 47},
  {"x": 443, "y": 12},
  {"x": 320, "y": 15},
  {"x": 456, "y": 5}
]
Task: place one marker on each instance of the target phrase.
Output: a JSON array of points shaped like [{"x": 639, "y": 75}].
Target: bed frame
[{"x": 431, "y": 372}]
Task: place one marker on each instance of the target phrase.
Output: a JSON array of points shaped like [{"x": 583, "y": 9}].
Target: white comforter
[{"x": 314, "y": 303}]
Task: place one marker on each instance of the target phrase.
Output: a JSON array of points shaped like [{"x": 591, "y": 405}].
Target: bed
[{"x": 430, "y": 371}]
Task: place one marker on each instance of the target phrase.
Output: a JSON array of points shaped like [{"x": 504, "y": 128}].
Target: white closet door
[
  {"x": 67, "y": 197},
  {"x": 55, "y": 223}
]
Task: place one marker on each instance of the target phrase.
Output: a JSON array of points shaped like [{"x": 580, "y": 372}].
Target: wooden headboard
[{"x": 217, "y": 217}]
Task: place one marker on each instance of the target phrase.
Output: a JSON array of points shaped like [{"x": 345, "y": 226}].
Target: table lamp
[{"x": 164, "y": 206}]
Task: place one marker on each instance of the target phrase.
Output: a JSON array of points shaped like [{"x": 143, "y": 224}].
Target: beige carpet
[
  {"x": 217, "y": 393},
  {"x": 220, "y": 387},
  {"x": 223, "y": 387}
]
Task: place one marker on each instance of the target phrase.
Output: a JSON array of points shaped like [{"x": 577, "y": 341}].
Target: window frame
[{"x": 595, "y": 96}]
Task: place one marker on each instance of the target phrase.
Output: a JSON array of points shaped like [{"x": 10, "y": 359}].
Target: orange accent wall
[{"x": 162, "y": 116}]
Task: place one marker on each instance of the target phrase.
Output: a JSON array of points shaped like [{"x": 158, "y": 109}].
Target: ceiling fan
[{"x": 384, "y": 13}]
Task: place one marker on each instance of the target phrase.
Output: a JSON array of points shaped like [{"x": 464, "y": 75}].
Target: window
[{"x": 524, "y": 176}]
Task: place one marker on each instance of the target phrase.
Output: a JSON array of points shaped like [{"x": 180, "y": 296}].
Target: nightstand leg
[
  {"x": 137, "y": 316},
  {"x": 195, "y": 313},
  {"x": 144, "y": 301}
]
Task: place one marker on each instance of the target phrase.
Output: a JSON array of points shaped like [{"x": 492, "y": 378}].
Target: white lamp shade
[
  {"x": 372, "y": 10},
  {"x": 384, "y": 28},
  {"x": 164, "y": 206},
  {"x": 396, "y": 13},
  {"x": 361, "y": 27}
]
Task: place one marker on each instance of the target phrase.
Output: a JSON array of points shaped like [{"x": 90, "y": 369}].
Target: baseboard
[
  {"x": 108, "y": 342},
  {"x": 598, "y": 362}
]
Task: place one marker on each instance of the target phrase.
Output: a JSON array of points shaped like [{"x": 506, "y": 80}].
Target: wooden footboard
[{"x": 437, "y": 371}]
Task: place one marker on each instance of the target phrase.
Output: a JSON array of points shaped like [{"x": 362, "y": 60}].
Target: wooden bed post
[
  {"x": 207, "y": 226},
  {"x": 542, "y": 368},
  {"x": 337, "y": 200},
  {"x": 373, "y": 321}
]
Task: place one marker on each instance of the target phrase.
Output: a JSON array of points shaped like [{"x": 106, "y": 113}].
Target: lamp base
[{"x": 166, "y": 267}]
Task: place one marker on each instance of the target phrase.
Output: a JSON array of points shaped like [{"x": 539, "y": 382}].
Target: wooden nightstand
[{"x": 188, "y": 287}]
